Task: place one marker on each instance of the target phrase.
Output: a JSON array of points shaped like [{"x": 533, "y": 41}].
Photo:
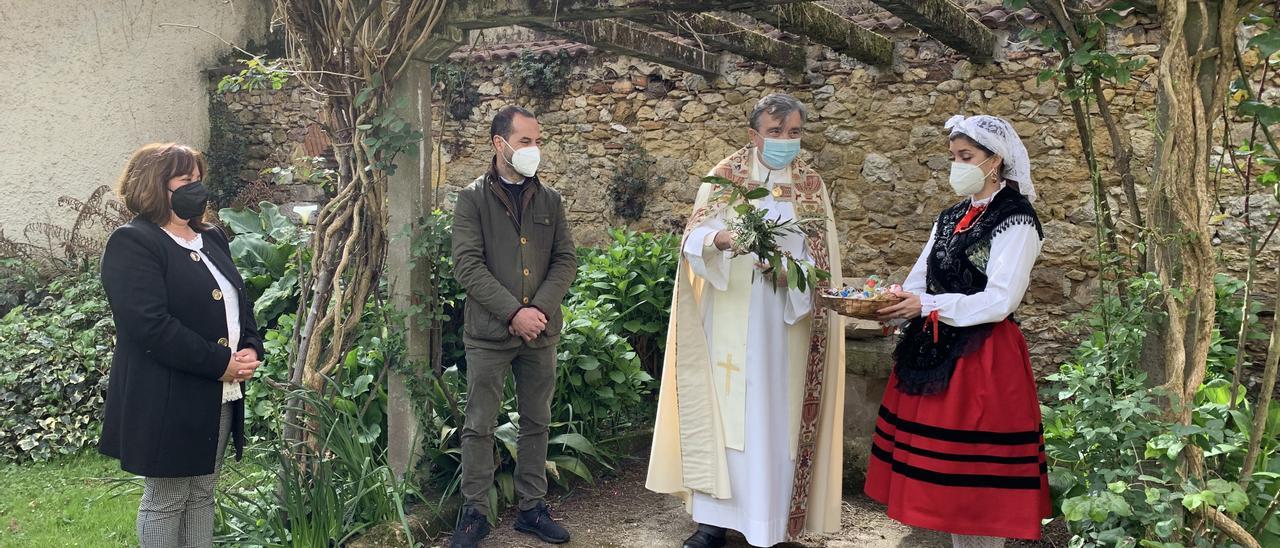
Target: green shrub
[
  {"x": 20, "y": 281},
  {"x": 542, "y": 76},
  {"x": 343, "y": 488},
  {"x": 57, "y": 353},
  {"x": 267, "y": 249},
  {"x": 459, "y": 92},
  {"x": 636, "y": 275},
  {"x": 599, "y": 381},
  {"x": 633, "y": 181},
  {"x": 1113, "y": 451},
  {"x": 376, "y": 348},
  {"x": 602, "y": 390},
  {"x": 226, "y": 153},
  {"x": 570, "y": 454},
  {"x": 1223, "y": 345}
]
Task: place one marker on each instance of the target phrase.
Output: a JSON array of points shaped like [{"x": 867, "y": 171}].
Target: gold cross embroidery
[{"x": 729, "y": 369}]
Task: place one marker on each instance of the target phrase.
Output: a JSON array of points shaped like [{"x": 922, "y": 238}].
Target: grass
[{"x": 80, "y": 500}]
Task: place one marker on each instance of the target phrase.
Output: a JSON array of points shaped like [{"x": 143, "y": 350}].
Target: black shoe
[
  {"x": 707, "y": 536},
  {"x": 472, "y": 527},
  {"x": 537, "y": 521}
]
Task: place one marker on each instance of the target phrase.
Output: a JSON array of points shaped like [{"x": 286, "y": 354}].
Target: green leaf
[
  {"x": 1268, "y": 42},
  {"x": 1236, "y": 500},
  {"x": 277, "y": 298},
  {"x": 1110, "y": 17},
  {"x": 506, "y": 485},
  {"x": 1220, "y": 486},
  {"x": 574, "y": 466},
  {"x": 1266, "y": 114},
  {"x": 588, "y": 363},
  {"x": 756, "y": 193},
  {"x": 1193, "y": 501},
  {"x": 362, "y": 383},
  {"x": 576, "y": 441},
  {"x": 1082, "y": 56},
  {"x": 241, "y": 221},
  {"x": 278, "y": 227},
  {"x": 509, "y": 435},
  {"x": 1075, "y": 508}
]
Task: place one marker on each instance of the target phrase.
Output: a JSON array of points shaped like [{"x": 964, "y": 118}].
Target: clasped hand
[
  {"x": 528, "y": 323},
  {"x": 241, "y": 365}
]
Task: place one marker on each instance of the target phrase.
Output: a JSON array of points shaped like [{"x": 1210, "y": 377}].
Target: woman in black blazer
[{"x": 186, "y": 342}]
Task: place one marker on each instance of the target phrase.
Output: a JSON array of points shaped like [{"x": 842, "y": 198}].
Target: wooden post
[{"x": 407, "y": 196}]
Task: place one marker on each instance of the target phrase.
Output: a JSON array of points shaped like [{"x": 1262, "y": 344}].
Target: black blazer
[{"x": 164, "y": 397}]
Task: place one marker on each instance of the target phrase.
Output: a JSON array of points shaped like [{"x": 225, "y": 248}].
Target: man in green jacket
[{"x": 515, "y": 258}]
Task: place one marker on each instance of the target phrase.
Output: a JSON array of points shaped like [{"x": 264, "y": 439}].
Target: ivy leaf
[
  {"x": 1193, "y": 501},
  {"x": 1082, "y": 56},
  {"x": 1236, "y": 500},
  {"x": 1266, "y": 114},
  {"x": 363, "y": 96},
  {"x": 1267, "y": 43},
  {"x": 1075, "y": 508},
  {"x": 1110, "y": 17}
]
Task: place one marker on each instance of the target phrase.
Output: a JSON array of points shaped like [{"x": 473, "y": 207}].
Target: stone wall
[
  {"x": 278, "y": 129},
  {"x": 875, "y": 136}
]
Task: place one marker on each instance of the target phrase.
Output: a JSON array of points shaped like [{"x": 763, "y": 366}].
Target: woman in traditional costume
[{"x": 958, "y": 445}]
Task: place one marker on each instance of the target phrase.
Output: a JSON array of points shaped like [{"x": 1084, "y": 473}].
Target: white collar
[
  {"x": 194, "y": 244},
  {"x": 986, "y": 201},
  {"x": 505, "y": 180}
]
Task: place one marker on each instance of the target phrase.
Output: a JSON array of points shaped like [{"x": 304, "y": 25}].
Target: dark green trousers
[{"x": 535, "y": 375}]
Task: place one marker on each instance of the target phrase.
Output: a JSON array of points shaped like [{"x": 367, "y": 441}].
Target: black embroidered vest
[{"x": 956, "y": 264}]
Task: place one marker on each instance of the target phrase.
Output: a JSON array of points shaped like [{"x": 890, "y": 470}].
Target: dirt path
[{"x": 620, "y": 513}]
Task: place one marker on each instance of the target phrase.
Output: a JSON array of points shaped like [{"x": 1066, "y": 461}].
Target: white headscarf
[{"x": 998, "y": 136}]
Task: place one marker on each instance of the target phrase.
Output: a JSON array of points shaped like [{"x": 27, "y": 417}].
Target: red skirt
[{"x": 969, "y": 460}]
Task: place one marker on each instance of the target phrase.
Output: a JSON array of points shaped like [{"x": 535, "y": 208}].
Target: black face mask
[{"x": 190, "y": 201}]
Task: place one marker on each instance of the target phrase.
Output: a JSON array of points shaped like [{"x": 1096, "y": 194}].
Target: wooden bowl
[{"x": 863, "y": 309}]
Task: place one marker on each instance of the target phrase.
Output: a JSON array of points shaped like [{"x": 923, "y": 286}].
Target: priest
[{"x": 749, "y": 422}]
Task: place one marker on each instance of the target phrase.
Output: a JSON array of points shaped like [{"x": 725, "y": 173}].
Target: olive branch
[{"x": 755, "y": 233}]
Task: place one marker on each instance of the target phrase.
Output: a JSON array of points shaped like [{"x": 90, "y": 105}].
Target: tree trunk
[{"x": 1194, "y": 71}]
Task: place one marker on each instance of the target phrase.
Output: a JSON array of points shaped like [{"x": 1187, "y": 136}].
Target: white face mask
[
  {"x": 968, "y": 179},
  {"x": 524, "y": 160}
]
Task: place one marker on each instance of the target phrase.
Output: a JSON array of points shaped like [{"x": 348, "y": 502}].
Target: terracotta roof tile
[{"x": 511, "y": 51}]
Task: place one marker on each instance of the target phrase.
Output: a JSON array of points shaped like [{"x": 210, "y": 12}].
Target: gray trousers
[
  {"x": 179, "y": 511},
  {"x": 535, "y": 374}
]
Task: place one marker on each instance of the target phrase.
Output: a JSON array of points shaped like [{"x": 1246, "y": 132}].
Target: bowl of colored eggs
[{"x": 860, "y": 302}]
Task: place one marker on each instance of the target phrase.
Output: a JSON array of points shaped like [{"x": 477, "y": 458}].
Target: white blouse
[
  {"x": 1013, "y": 253},
  {"x": 230, "y": 302}
]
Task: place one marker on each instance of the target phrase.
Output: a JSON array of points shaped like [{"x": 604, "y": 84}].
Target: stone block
[
  {"x": 869, "y": 357},
  {"x": 867, "y": 377}
]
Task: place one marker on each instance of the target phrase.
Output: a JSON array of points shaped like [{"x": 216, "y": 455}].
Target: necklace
[{"x": 180, "y": 237}]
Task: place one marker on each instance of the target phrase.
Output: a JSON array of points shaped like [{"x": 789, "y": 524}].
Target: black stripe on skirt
[{"x": 960, "y": 436}]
